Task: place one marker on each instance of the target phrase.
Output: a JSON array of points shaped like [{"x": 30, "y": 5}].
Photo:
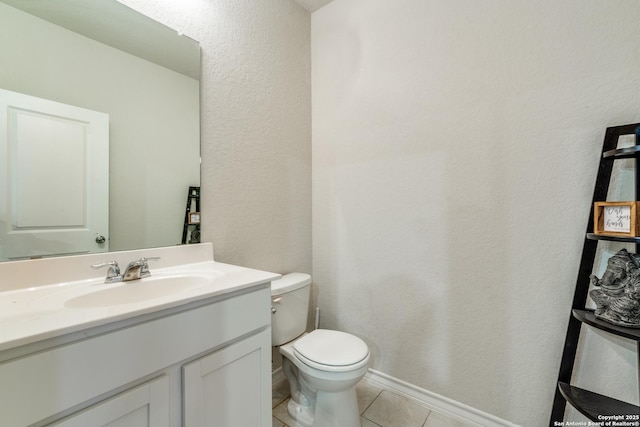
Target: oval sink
[{"x": 136, "y": 291}]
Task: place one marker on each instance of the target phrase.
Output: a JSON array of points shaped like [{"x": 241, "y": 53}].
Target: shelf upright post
[{"x": 637, "y": 183}]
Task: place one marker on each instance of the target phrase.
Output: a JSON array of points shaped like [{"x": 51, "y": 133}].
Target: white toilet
[{"x": 323, "y": 366}]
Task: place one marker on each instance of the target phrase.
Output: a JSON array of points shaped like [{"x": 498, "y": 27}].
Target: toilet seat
[{"x": 333, "y": 351}]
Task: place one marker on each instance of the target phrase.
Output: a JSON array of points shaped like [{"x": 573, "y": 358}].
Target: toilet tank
[{"x": 290, "y": 307}]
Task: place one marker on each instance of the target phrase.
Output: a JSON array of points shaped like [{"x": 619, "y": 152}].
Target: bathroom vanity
[{"x": 190, "y": 345}]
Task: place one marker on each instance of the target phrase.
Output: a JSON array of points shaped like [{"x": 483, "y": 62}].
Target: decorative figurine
[{"x": 617, "y": 294}]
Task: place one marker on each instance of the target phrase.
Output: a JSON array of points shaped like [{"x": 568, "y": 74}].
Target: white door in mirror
[{"x": 53, "y": 156}]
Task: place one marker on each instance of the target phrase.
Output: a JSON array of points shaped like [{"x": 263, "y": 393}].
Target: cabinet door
[
  {"x": 230, "y": 387},
  {"x": 143, "y": 406}
]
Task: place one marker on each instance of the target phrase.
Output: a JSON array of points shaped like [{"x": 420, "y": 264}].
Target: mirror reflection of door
[{"x": 52, "y": 156}]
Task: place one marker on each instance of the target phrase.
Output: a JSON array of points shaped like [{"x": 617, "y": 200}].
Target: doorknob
[{"x": 100, "y": 240}]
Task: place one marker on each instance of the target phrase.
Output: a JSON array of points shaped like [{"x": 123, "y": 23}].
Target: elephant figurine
[{"x": 617, "y": 294}]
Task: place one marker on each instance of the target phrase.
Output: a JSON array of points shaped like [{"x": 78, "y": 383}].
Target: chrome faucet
[
  {"x": 138, "y": 269},
  {"x": 135, "y": 270}
]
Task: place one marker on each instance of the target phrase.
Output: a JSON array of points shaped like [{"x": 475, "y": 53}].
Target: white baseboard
[
  {"x": 451, "y": 408},
  {"x": 436, "y": 402}
]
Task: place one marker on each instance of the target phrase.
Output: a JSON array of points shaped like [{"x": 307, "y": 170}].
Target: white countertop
[{"x": 32, "y": 314}]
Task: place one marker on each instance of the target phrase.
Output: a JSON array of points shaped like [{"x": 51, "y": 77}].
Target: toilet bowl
[{"x": 322, "y": 366}]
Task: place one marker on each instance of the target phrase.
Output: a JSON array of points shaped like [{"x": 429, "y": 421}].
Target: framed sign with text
[
  {"x": 194, "y": 217},
  {"x": 616, "y": 219}
]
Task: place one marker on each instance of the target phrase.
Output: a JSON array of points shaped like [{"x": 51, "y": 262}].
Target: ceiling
[{"x": 313, "y": 5}]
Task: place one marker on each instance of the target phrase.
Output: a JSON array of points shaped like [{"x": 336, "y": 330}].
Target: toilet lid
[{"x": 331, "y": 348}]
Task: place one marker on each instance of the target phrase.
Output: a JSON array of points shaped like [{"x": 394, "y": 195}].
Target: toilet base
[
  {"x": 311, "y": 407},
  {"x": 302, "y": 414},
  {"x": 331, "y": 410},
  {"x": 337, "y": 409}
]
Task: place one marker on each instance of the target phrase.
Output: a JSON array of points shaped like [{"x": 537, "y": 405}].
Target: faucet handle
[
  {"x": 113, "y": 273},
  {"x": 144, "y": 269}
]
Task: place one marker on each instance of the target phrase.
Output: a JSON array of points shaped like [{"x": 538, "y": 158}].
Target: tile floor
[{"x": 378, "y": 408}]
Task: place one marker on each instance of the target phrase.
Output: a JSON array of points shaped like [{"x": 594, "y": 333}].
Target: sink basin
[{"x": 136, "y": 291}]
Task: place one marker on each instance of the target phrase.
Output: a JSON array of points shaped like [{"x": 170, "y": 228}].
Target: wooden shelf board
[
  {"x": 594, "y": 405},
  {"x": 627, "y": 239},
  {"x": 588, "y": 317},
  {"x": 622, "y": 153}
]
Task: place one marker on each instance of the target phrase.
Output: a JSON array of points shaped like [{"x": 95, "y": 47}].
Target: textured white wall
[
  {"x": 256, "y": 126},
  {"x": 455, "y": 147}
]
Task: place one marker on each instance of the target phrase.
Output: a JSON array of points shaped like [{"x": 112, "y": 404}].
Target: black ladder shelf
[
  {"x": 192, "y": 217},
  {"x": 589, "y": 403}
]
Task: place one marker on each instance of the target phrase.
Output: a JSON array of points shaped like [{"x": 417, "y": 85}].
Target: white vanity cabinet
[{"x": 204, "y": 363}]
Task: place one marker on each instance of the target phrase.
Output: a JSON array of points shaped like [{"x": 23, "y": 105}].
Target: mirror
[{"x": 103, "y": 56}]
